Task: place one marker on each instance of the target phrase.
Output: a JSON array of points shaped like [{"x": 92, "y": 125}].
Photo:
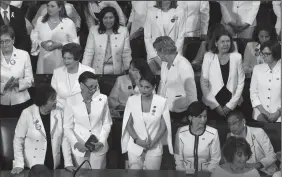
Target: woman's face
[
  {"x": 166, "y": 4},
  {"x": 51, "y": 104},
  {"x": 7, "y": 43},
  {"x": 109, "y": 20},
  {"x": 240, "y": 158},
  {"x": 146, "y": 88},
  {"x": 223, "y": 44},
  {"x": 263, "y": 36},
  {"x": 267, "y": 55},
  {"x": 134, "y": 72},
  {"x": 89, "y": 87},
  {"x": 235, "y": 125},
  {"x": 199, "y": 121},
  {"x": 69, "y": 61},
  {"x": 53, "y": 8}
]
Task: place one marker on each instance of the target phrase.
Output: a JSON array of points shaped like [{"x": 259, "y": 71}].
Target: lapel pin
[
  {"x": 36, "y": 121},
  {"x": 100, "y": 99},
  {"x": 116, "y": 37},
  {"x": 174, "y": 18},
  {"x": 129, "y": 87},
  {"x": 38, "y": 127},
  {"x": 62, "y": 28},
  {"x": 13, "y": 62},
  {"x": 203, "y": 138},
  {"x": 154, "y": 106},
  {"x": 156, "y": 16}
]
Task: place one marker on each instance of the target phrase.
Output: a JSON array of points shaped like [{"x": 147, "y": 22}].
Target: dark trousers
[{"x": 13, "y": 111}]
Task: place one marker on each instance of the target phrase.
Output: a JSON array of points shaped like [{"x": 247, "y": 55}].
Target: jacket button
[
  {"x": 116, "y": 45},
  {"x": 269, "y": 80},
  {"x": 100, "y": 46},
  {"x": 268, "y": 98},
  {"x": 35, "y": 148},
  {"x": 90, "y": 131},
  {"x": 269, "y": 89},
  {"x": 268, "y": 106},
  {"x": 33, "y": 156},
  {"x": 37, "y": 140}
]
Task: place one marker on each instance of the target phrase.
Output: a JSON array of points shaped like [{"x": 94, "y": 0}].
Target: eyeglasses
[
  {"x": 8, "y": 41},
  {"x": 230, "y": 124},
  {"x": 92, "y": 88},
  {"x": 265, "y": 54}
]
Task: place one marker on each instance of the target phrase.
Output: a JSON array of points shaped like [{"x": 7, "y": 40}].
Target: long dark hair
[
  {"x": 173, "y": 4},
  {"x": 264, "y": 27},
  {"x": 216, "y": 36},
  {"x": 62, "y": 12},
  {"x": 102, "y": 28}
]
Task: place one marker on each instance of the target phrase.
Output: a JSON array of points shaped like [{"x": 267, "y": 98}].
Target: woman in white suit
[
  {"x": 146, "y": 127},
  {"x": 87, "y": 114},
  {"x": 65, "y": 78},
  {"x": 39, "y": 134},
  {"x": 265, "y": 90},
  {"x": 164, "y": 19},
  {"x": 222, "y": 77},
  {"x": 107, "y": 49},
  {"x": 16, "y": 76}
]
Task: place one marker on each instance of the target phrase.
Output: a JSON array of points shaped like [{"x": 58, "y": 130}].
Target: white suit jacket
[
  {"x": 277, "y": 11},
  {"x": 262, "y": 149},
  {"x": 197, "y": 15},
  {"x": 96, "y": 46},
  {"x": 265, "y": 88},
  {"x": 78, "y": 125},
  {"x": 172, "y": 84},
  {"x": 212, "y": 82},
  {"x": 158, "y": 110},
  {"x": 154, "y": 28},
  {"x": 239, "y": 12},
  {"x": 30, "y": 139},
  {"x": 19, "y": 67},
  {"x": 208, "y": 148},
  {"x": 60, "y": 82}
]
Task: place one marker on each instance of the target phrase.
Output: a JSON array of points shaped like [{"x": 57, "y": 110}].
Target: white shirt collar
[
  {"x": 2, "y": 12},
  {"x": 277, "y": 67}
]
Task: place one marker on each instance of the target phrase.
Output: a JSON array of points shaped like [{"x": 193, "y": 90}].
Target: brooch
[
  {"x": 156, "y": 16},
  {"x": 154, "y": 110},
  {"x": 129, "y": 87},
  {"x": 100, "y": 99},
  {"x": 37, "y": 126},
  {"x": 174, "y": 18},
  {"x": 62, "y": 28},
  {"x": 13, "y": 62}
]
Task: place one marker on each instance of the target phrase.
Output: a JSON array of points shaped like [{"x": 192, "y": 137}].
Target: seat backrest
[{"x": 7, "y": 131}]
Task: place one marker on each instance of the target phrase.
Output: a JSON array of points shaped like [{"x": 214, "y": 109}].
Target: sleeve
[
  {"x": 181, "y": 31},
  {"x": 19, "y": 138},
  {"x": 90, "y": 20},
  {"x": 178, "y": 155},
  {"x": 27, "y": 80},
  {"x": 208, "y": 97},
  {"x": 73, "y": 14},
  {"x": 215, "y": 153},
  {"x": 240, "y": 85},
  {"x": 204, "y": 16},
  {"x": 227, "y": 18},
  {"x": 247, "y": 59},
  {"x": 126, "y": 53},
  {"x": 254, "y": 91},
  {"x": 71, "y": 34},
  {"x": 69, "y": 125},
  {"x": 277, "y": 11},
  {"x": 114, "y": 95},
  {"x": 107, "y": 123},
  {"x": 148, "y": 36},
  {"x": 251, "y": 17},
  {"x": 89, "y": 48}
]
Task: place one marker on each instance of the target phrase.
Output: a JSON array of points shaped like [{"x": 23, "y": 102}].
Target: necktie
[{"x": 6, "y": 20}]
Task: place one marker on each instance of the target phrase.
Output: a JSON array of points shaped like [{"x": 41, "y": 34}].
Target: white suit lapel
[
  {"x": 54, "y": 122},
  {"x": 216, "y": 67},
  {"x": 172, "y": 22}
]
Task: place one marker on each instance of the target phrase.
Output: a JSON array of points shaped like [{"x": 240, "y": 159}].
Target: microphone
[{"x": 81, "y": 166}]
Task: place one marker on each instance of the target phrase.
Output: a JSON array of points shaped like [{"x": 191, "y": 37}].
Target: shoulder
[
  {"x": 183, "y": 62},
  {"x": 94, "y": 28},
  {"x": 211, "y": 131},
  {"x": 122, "y": 79},
  {"x": 183, "y": 129},
  {"x": 257, "y": 131},
  {"x": 122, "y": 30},
  {"x": 22, "y": 53},
  {"x": 236, "y": 56},
  {"x": 251, "y": 44},
  {"x": 179, "y": 10},
  {"x": 67, "y": 21},
  {"x": 159, "y": 98},
  {"x": 87, "y": 68},
  {"x": 152, "y": 9},
  {"x": 101, "y": 97},
  {"x": 259, "y": 67},
  {"x": 58, "y": 70},
  {"x": 209, "y": 56}
]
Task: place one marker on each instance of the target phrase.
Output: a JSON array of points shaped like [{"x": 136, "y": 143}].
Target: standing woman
[
  {"x": 65, "y": 78},
  {"x": 164, "y": 19},
  {"x": 265, "y": 90},
  {"x": 16, "y": 76},
  {"x": 108, "y": 49},
  {"x": 222, "y": 77},
  {"x": 146, "y": 127},
  {"x": 51, "y": 32},
  {"x": 87, "y": 115}
]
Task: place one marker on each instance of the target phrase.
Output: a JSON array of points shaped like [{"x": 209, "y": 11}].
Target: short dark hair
[
  {"x": 173, "y": 4},
  {"x": 149, "y": 77},
  {"x": 39, "y": 171},
  {"x": 165, "y": 44},
  {"x": 87, "y": 75},
  {"x": 141, "y": 65},
  {"x": 62, "y": 12},
  {"x": 102, "y": 28},
  {"x": 217, "y": 34},
  {"x": 43, "y": 93},
  {"x": 196, "y": 108},
  {"x": 239, "y": 114},
  {"x": 7, "y": 30},
  {"x": 232, "y": 145},
  {"x": 74, "y": 49},
  {"x": 264, "y": 27},
  {"x": 275, "y": 48}
]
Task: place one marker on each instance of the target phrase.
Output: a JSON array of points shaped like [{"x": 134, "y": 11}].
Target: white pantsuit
[
  {"x": 30, "y": 139},
  {"x": 146, "y": 125},
  {"x": 79, "y": 126}
]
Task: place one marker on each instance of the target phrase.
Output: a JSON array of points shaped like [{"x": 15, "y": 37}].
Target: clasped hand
[
  {"x": 50, "y": 45},
  {"x": 147, "y": 144},
  {"x": 11, "y": 84},
  {"x": 238, "y": 28},
  {"x": 81, "y": 147}
]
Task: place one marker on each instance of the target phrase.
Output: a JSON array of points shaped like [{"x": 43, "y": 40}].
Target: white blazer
[
  {"x": 239, "y": 12},
  {"x": 96, "y": 47},
  {"x": 154, "y": 28},
  {"x": 30, "y": 140},
  {"x": 197, "y": 15},
  {"x": 19, "y": 67},
  {"x": 212, "y": 82},
  {"x": 172, "y": 84},
  {"x": 207, "y": 145},
  {"x": 265, "y": 88},
  {"x": 147, "y": 130},
  {"x": 277, "y": 11},
  {"x": 79, "y": 126},
  {"x": 61, "y": 83}
]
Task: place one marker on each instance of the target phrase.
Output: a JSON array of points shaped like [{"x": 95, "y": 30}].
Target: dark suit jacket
[{"x": 17, "y": 22}]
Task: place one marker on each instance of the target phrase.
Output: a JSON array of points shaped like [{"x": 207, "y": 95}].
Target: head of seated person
[
  {"x": 89, "y": 84},
  {"x": 7, "y": 38},
  {"x": 108, "y": 20},
  {"x": 197, "y": 114},
  {"x": 221, "y": 42},
  {"x": 237, "y": 123},
  {"x": 271, "y": 52},
  {"x": 264, "y": 32},
  {"x": 166, "y": 5},
  {"x": 55, "y": 8},
  {"x": 39, "y": 171},
  {"x": 166, "y": 48},
  {"x": 72, "y": 54},
  {"x": 137, "y": 68}
]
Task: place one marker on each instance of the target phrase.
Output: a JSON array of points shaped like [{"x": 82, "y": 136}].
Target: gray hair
[{"x": 165, "y": 45}]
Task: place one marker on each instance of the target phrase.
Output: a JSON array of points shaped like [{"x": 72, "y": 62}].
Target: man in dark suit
[{"x": 14, "y": 17}]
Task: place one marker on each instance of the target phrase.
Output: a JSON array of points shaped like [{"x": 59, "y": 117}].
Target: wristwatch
[{"x": 134, "y": 140}]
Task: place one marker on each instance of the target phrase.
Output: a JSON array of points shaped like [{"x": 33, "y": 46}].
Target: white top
[
  {"x": 166, "y": 23},
  {"x": 220, "y": 172},
  {"x": 2, "y": 12},
  {"x": 72, "y": 79}
]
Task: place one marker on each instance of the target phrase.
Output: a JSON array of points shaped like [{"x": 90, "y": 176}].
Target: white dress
[{"x": 64, "y": 33}]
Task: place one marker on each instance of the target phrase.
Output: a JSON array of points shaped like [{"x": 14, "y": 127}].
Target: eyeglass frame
[
  {"x": 8, "y": 41},
  {"x": 91, "y": 90},
  {"x": 265, "y": 54}
]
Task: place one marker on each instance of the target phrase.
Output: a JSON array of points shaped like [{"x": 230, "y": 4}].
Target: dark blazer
[{"x": 17, "y": 22}]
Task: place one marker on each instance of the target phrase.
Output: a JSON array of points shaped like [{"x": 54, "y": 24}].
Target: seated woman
[
  {"x": 263, "y": 157},
  {"x": 146, "y": 127},
  {"x": 263, "y": 32},
  {"x": 236, "y": 151},
  {"x": 39, "y": 134},
  {"x": 197, "y": 146},
  {"x": 127, "y": 85},
  {"x": 87, "y": 115},
  {"x": 265, "y": 90},
  {"x": 108, "y": 49},
  {"x": 65, "y": 78},
  {"x": 16, "y": 76}
]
